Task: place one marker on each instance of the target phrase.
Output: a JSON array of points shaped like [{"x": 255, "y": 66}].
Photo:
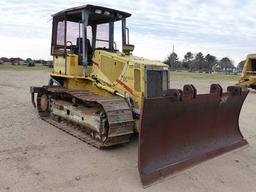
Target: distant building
[
  {"x": 17, "y": 61},
  {"x": 228, "y": 70},
  {"x": 1, "y": 61},
  {"x": 217, "y": 68}
]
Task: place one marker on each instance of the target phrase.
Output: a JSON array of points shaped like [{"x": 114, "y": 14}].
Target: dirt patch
[{"x": 35, "y": 156}]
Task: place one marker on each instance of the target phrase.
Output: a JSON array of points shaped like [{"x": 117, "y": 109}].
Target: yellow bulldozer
[
  {"x": 103, "y": 94},
  {"x": 248, "y": 76}
]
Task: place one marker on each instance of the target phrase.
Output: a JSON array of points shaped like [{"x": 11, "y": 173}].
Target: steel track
[{"x": 120, "y": 119}]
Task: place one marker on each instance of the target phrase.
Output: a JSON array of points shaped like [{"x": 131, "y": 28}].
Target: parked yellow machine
[
  {"x": 248, "y": 76},
  {"x": 103, "y": 95}
]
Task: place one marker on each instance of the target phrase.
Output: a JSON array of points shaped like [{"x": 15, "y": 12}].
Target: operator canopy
[
  {"x": 82, "y": 30},
  {"x": 98, "y": 14}
]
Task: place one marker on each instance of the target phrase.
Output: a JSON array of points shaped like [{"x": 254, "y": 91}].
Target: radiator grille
[{"x": 154, "y": 83}]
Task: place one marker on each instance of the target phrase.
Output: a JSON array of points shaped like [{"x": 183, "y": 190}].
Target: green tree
[
  {"x": 210, "y": 61},
  {"x": 5, "y": 59},
  {"x": 188, "y": 57},
  {"x": 226, "y": 64},
  {"x": 199, "y": 62},
  {"x": 173, "y": 61},
  {"x": 28, "y": 60},
  {"x": 241, "y": 65}
]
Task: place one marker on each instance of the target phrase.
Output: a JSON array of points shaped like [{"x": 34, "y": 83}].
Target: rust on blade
[{"x": 183, "y": 128}]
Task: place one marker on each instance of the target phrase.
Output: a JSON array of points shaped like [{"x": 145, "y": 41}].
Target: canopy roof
[{"x": 97, "y": 15}]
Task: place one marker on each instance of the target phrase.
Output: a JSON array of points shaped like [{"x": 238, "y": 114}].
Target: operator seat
[{"x": 79, "y": 42}]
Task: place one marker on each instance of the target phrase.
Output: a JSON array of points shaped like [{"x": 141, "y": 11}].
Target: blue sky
[{"x": 220, "y": 27}]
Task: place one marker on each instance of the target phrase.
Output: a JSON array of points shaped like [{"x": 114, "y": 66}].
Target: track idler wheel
[{"x": 43, "y": 103}]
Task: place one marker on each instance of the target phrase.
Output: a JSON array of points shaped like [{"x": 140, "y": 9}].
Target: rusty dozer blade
[{"x": 182, "y": 129}]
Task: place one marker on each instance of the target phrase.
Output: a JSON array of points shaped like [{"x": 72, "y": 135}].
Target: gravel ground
[{"x": 35, "y": 156}]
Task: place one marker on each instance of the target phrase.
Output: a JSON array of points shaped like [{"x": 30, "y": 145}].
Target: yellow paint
[
  {"x": 58, "y": 65},
  {"x": 110, "y": 72}
]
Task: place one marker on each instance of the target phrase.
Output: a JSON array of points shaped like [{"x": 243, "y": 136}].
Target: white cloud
[{"x": 25, "y": 47}]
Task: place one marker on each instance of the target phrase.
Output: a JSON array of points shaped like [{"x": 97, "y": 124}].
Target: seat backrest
[{"x": 79, "y": 42}]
